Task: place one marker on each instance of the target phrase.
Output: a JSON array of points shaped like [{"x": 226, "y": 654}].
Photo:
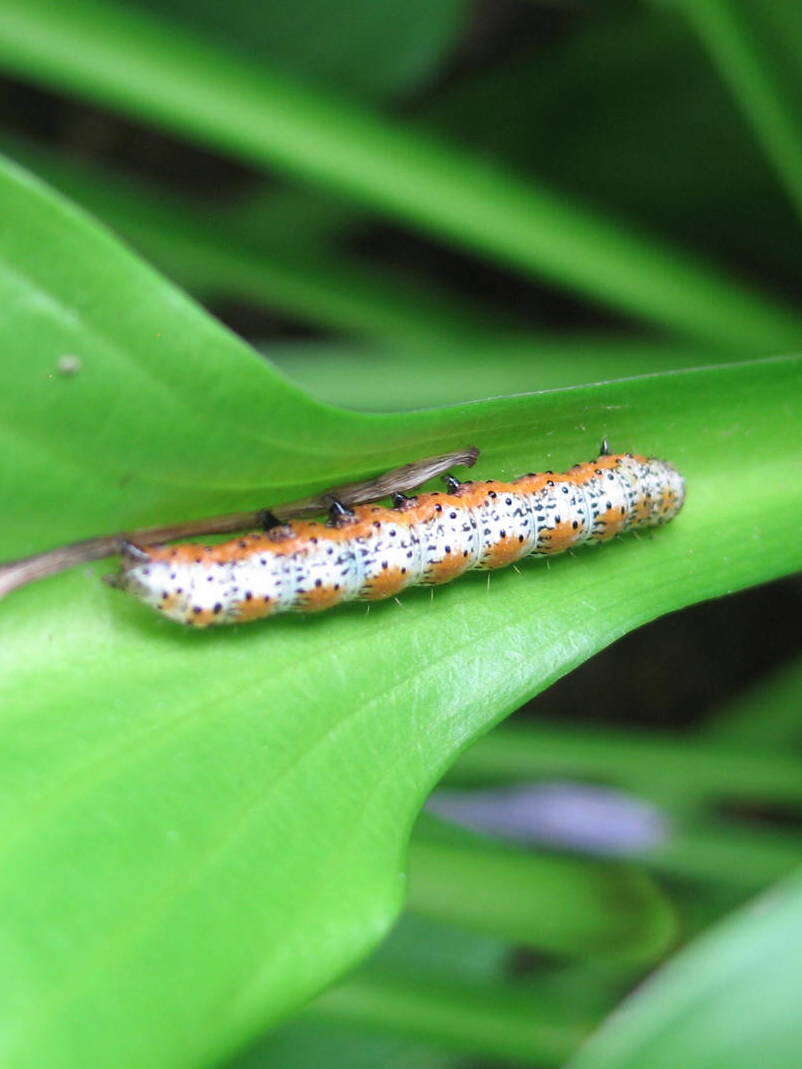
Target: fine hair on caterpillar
[{"x": 372, "y": 552}]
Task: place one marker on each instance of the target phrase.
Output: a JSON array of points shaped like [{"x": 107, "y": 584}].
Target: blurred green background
[{"x": 291, "y": 166}]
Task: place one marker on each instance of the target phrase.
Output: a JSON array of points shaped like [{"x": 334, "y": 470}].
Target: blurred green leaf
[
  {"x": 334, "y": 1045},
  {"x": 501, "y": 1020},
  {"x": 431, "y": 980},
  {"x": 691, "y": 778},
  {"x": 419, "y": 944},
  {"x": 219, "y": 100},
  {"x": 555, "y": 903},
  {"x": 768, "y": 715},
  {"x": 416, "y": 946},
  {"x": 445, "y": 373},
  {"x": 757, "y": 46},
  {"x": 730, "y": 999},
  {"x": 719, "y": 852},
  {"x": 656, "y": 765},
  {"x": 200, "y": 830},
  {"x": 370, "y": 47},
  {"x": 290, "y": 269},
  {"x": 627, "y": 112}
]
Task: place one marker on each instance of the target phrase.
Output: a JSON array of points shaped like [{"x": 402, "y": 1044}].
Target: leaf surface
[
  {"x": 200, "y": 830},
  {"x": 730, "y": 999}
]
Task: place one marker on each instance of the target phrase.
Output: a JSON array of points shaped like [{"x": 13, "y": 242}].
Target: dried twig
[{"x": 26, "y": 570}]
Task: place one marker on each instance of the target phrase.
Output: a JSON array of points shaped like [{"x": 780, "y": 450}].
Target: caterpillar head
[{"x": 135, "y": 562}]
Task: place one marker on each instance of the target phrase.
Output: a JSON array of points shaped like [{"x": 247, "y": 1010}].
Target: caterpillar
[{"x": 372, "y": 552}]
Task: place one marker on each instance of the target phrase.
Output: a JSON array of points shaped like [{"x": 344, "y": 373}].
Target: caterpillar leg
[{"x": 339, "y": 515}]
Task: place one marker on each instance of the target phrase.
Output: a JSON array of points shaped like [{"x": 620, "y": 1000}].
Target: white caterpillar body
[{"x": 376, "y": 552}]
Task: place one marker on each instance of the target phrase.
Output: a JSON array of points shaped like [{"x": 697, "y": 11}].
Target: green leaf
[
  {"x": 452, "y": 990},
  {"x": 419, "y": 945},
  {"x": 768, "y": 715},
  {"x": 337, "y": 1046},
  {"x": 415, "y": 947},
  {"x": 150, "y": 70},
  {"x": 619, "y": 112},
  {"x": 370, "y": 47},
  {"x": 730, "y": 999},
  {"x": 722, "y": 853},
  {"x": 200, "y": 830},
  {"x": 442, "y": 373},
  {"x": 501, "y": 1020},
  {"x": 657, "y": 766},
  {"x": 687, "y": 777},
  {"x": 555, "y": 903},
  {"x": 289, "y": 269},
  {"x": 757, "y": 47}
]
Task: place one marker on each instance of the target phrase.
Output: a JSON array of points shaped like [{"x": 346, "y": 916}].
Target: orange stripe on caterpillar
[{"x": 373, "y": 552}]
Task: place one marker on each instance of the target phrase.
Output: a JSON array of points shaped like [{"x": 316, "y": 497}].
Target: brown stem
[{"x": 17, "y": 573}]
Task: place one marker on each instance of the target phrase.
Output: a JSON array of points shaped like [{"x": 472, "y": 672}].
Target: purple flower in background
[{"x": 579, "y": 816}]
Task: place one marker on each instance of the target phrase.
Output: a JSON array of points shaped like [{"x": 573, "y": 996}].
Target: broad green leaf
[
  {"x": 730, "y": 999},
  {"x": 149, "y": 69},
  {"x": 200, "y": 830}
]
